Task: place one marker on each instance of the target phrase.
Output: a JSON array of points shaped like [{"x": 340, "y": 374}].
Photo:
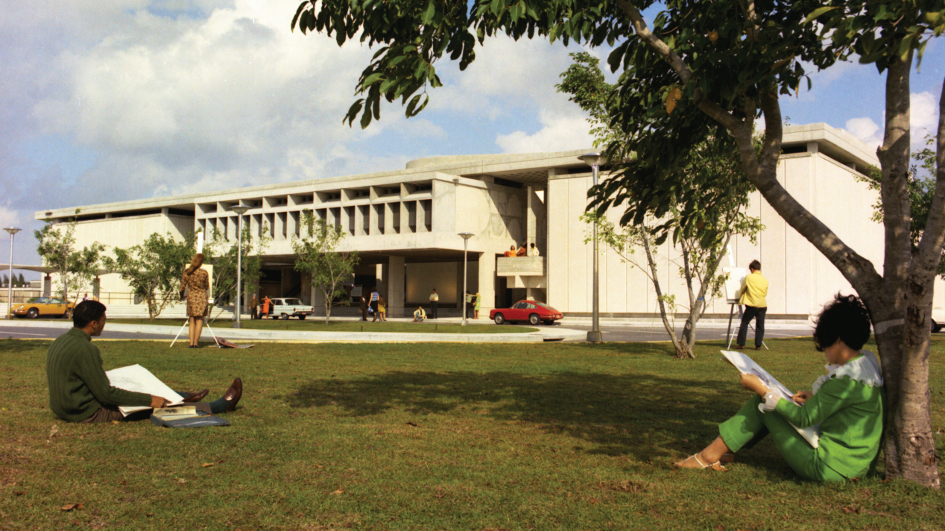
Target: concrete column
[
  {"x": 486, "y": 284},
  {"x": 393, "y": 280},
  {"x": 47, "y": 285},
  {"x": 318, "y": 301},
  {"x": 460, "y": 295}
]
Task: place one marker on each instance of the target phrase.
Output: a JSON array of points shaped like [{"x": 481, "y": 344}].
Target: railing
[{"x": 523, "y": 266}]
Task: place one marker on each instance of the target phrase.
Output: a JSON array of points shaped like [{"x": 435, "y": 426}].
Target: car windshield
[{"x": 292, "y": 302}]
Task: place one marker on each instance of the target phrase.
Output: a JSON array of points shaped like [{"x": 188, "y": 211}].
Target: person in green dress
[{"x": 846, "y": 405}]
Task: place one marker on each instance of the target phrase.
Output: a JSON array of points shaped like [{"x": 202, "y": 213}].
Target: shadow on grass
[
  {"x": 21, "y": 345},
  {"x": 642, "y": 416}
]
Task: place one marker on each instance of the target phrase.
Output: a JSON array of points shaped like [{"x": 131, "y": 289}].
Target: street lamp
[
  {"x": 465, "y": 236},
  {"x": 12, "y": 231},
  {"x": 240, "y": 210},
  {"x": 594, "y": 336}
]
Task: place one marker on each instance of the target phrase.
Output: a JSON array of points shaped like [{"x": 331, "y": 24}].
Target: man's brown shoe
[
  {"x": 233, "y": 394},
  {"x": 197, "y": 396}
]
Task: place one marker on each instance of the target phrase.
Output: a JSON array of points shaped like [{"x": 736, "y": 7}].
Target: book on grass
[
  {"x": 746, "y": 365},
  {"x": 140, "y": 380},
  {"x": 200, "y": 420}
]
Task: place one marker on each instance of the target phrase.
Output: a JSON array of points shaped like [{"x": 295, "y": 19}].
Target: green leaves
[{"x": 154, "y": 268}]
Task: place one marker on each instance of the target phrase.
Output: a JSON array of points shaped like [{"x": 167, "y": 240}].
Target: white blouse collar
[{"x": 864, "y": 369}]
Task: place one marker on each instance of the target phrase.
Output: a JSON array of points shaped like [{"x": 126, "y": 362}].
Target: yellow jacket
[{"x": 753, "y": 291}]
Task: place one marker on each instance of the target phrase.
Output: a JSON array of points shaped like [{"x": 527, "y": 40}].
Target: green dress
[{"x": 847, "y": 407}]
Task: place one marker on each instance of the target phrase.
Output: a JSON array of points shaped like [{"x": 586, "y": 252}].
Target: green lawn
[
  {"x": 418, "y": 437},
  {"x": 318, "y": 325}
]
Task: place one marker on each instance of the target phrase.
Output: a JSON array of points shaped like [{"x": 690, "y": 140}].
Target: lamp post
[
  {"x": 465, "y": 236},
  {"x": 12, "y": 231},
  {"x": 240, "y": 210},
  {"x": 594, "y": 336}
]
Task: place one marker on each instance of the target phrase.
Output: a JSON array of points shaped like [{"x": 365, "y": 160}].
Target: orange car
[{"x": 44, "y": 306}]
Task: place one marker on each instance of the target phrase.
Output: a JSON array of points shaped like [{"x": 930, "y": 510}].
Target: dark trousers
[
  {"x": 433, "y": 305},
  {"x": 758, "y": 314}
]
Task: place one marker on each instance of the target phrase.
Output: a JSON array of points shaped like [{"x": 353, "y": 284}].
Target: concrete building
[{"x": 405, "y": 225}]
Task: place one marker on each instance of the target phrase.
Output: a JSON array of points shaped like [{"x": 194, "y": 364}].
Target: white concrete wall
[{"x": 800, "y": 278}]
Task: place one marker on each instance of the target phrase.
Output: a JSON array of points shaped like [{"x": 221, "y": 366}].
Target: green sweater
[
  {"x": 78, "y": 386},
  {"x": 850, "y": 414}
]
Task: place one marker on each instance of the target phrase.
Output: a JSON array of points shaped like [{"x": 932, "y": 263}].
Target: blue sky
[{"x": 128, "y": 99}]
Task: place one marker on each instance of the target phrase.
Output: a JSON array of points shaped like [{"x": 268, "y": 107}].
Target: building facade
[{"x": 405, "y": 224}]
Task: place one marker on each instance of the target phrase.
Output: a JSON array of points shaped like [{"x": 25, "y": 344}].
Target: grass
[
  {"x": 318, "y": 325},
  {"x": 407, "y": 436}
]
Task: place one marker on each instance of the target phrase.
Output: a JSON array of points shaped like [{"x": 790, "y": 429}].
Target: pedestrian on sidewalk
[{"x": 434, "y": 302}]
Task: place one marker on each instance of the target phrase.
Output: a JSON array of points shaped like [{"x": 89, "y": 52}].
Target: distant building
[{"x": 405, "y": 225}]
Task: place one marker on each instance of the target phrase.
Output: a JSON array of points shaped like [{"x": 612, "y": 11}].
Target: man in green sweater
[{"x": 79, "y": 390}]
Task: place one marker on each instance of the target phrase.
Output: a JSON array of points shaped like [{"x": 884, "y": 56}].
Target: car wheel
[
  {"x": 936, "y": 327},
  {"x": 499, "y": 319},
  {"x": 33, "y": 313},
  {"x": 285, "y": 317},
  {"x": 533, "y": 319},
  {"x": 301, "y": 318}
]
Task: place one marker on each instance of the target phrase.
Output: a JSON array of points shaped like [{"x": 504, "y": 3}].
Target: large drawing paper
[
  {"x": 140, "y": 380},
  {"x": 746, "y": 365},
  {"x": 734, "y": 281}
]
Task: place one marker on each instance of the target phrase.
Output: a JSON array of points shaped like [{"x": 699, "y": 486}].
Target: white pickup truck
[{"x": 286, "y": 308}]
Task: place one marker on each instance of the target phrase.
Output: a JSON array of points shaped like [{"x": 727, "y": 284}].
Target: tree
[
  {"x": 713, "y": 176},
  {"x": 76, "y": 268},
  {"x": 20, "y": 283},
  {"x": 223, "y": 255},
  {"x": 153, "y": 269},
  {"x": 317, "y": 254},
  {"x": 705, "y": 69}
]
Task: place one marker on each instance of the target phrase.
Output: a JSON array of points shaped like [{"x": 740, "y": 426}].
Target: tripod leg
[
  {"x": 215, "y": 340},
  {"x": 180, "y": 332},
  {"x": 731, "y": 312}
]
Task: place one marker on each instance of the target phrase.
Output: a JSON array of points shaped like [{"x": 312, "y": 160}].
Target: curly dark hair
[
  {"x": 87, "y": 311},
  {"x": 845, "y": 318}
]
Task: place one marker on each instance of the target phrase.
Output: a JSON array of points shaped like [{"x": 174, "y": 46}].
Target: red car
[{"x": 532, "y": 311}]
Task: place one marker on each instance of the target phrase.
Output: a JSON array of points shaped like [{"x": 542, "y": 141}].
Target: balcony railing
[{"x": 521, "y": 266}]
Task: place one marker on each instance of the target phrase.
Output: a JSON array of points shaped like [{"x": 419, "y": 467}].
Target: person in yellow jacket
[{"x": 752, "y": 295}]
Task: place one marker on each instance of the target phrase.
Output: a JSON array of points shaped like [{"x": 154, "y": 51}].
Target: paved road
[
  {"x": 572, "y": 331},
  {"x": 639, "y": 333}
]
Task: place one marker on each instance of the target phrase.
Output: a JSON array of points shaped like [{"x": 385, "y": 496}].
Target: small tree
[
  {"x": 223, "y": 255},
  {"x": 701, "y": 231},
  {"x": 154, "y": 269},
  {"x": 76, "y": 269},
  {"x": 317, "y": 254},
  {"x": 21, "y": 283}
]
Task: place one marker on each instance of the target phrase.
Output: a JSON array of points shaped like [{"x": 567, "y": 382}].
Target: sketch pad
[{"x": 746, "y": 365}]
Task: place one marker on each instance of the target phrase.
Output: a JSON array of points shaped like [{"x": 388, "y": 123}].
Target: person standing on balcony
[
  {"x": 434, "y": 302},
  {"x": 511, "y": 251},
  {"x": 533, "y": 251},
  {"x": 521, "y": 250}
]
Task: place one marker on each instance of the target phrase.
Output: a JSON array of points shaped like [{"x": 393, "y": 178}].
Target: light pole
[
  {"x": 465, "y": 236},
  {"x": 240, "y": 210},
  {"x": 594, "y": 336},
  {"x": 12, "y": 231}
]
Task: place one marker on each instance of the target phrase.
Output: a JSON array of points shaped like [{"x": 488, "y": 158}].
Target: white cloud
[
  {"x": 923, "y": 117},
  {"x": 866, "y": 130},
  {"x": 559, "y": 133}
]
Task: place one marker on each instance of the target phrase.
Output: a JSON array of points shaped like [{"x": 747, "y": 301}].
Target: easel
[
  {"x": 732, "y": 309},
  {"x": 205, "y": 323}
]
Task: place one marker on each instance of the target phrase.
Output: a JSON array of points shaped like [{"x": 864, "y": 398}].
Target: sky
[{"x": 119, "y": 100}]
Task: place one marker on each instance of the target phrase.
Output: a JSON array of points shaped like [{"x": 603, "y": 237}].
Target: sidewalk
[{"x": 224, "y": 329}]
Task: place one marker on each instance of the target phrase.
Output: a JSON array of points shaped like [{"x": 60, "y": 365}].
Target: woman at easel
[{"x": 197, "y": 282}]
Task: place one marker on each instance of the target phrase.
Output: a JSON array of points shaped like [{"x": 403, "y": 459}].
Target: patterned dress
[{"x": 197, "y": 283}]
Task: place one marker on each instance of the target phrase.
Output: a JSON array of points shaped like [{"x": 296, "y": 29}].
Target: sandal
[{"x": 702, "y": 465}]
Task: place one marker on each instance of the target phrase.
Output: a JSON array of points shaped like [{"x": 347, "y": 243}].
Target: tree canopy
[{"x": 700, "y": 70}]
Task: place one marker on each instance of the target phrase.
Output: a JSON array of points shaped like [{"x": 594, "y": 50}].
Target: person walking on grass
[{"x": 752, "y": 295}]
